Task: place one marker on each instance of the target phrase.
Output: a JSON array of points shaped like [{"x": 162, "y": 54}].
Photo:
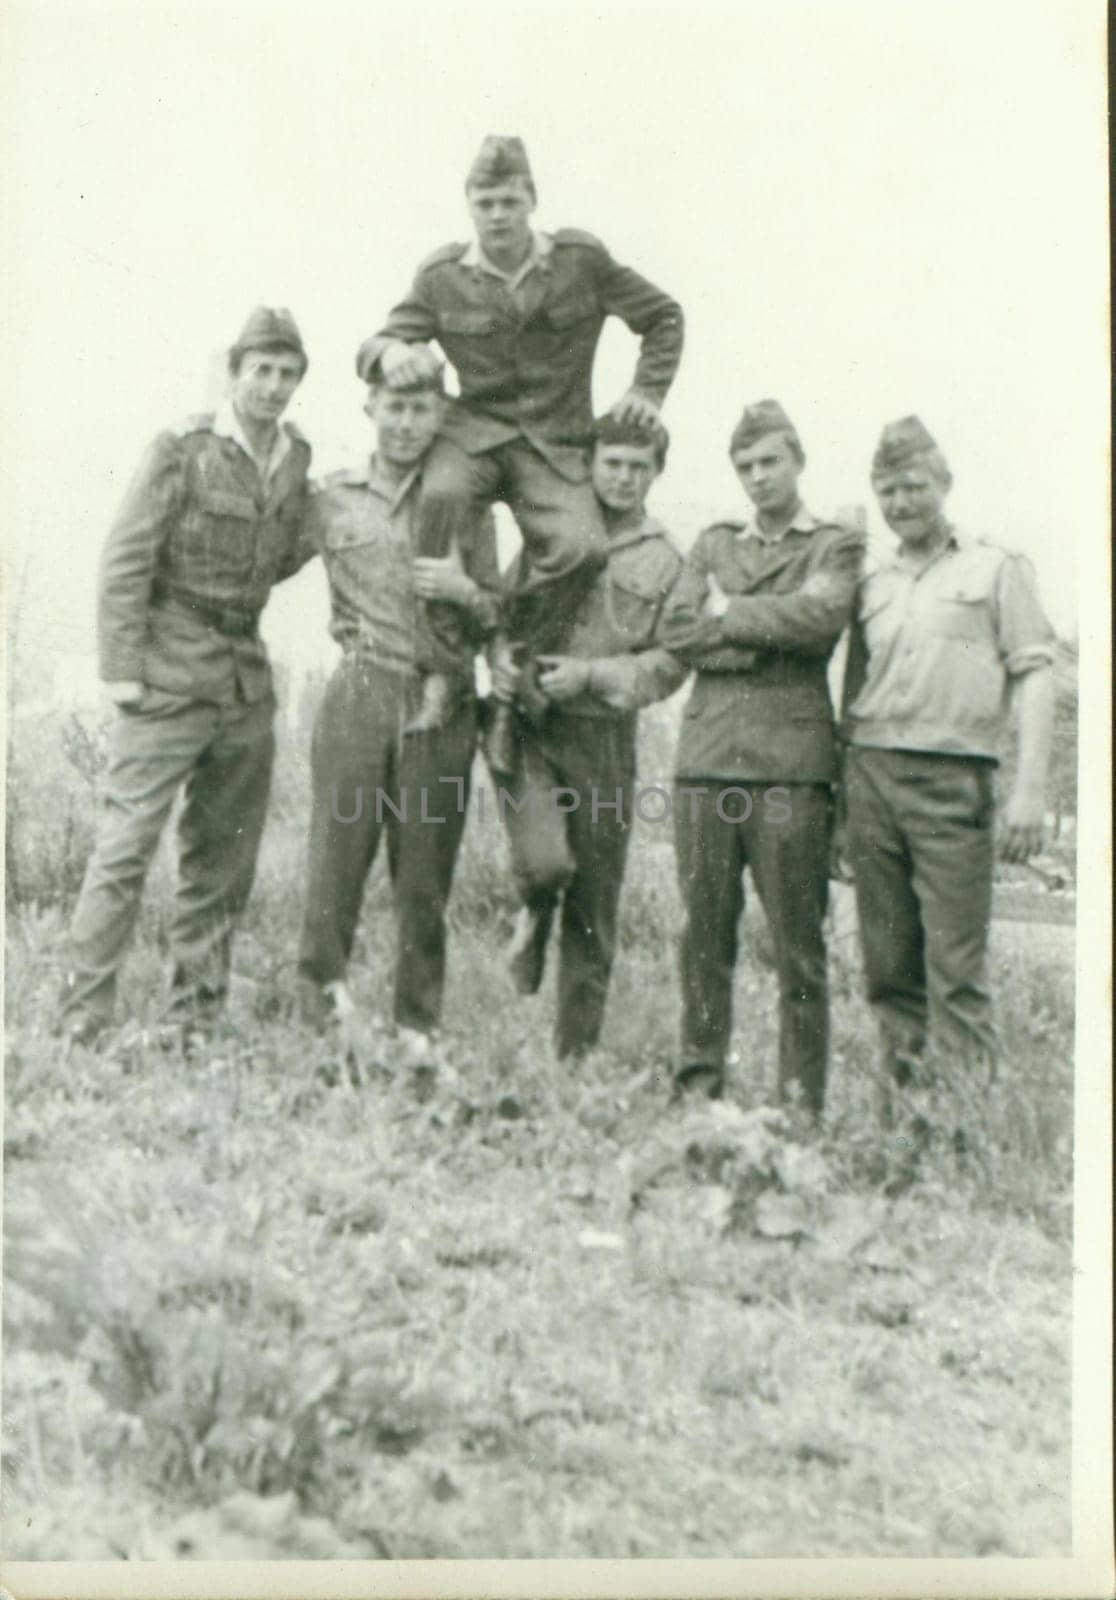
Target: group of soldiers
[{"x": 597, "y": 617}]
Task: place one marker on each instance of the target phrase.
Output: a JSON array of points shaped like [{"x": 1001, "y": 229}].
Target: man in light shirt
[
  {"x": 212, "y": 520},
  {"x": 368, "y": 782},
  {"x": 949, "y": 638}
]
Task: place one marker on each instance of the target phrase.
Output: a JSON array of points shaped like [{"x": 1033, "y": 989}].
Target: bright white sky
[{"x": 865, "y": 210}]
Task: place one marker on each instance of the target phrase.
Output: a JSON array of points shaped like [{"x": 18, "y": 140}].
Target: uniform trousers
[
  {"x": 369, "y": 781},
  {"x": 568, "y": 833},
  {"x": 781, "y": 831},
  {"x": 560, "y": 522},
  {"x": 921, "y": 847},
  {"x": 221, "y": 756}
]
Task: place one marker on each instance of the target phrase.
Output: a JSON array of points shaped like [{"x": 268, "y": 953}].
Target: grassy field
[{"x": 254, "y": 1308}]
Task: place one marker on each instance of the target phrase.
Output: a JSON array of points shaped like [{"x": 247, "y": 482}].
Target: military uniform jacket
[
  {"x": 191, "y": 559},
  {"x": 760, "y": 706},
  {"x": 524, "y": 360},
  {"x": 617, "y": 627}
]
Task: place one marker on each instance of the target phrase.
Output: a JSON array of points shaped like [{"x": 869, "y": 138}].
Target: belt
[{"x": 226, "y": 619}]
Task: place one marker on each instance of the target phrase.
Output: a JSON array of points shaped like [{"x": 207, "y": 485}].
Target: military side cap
[
  {"x": 500, "y": 158},
  {"x": 901, "y": 443},
  {"x": 270, "y": 328},
  {"x": 766, "y": 416}
]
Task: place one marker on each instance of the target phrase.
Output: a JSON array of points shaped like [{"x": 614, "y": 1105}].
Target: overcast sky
[{"x": 865, "y": 210}]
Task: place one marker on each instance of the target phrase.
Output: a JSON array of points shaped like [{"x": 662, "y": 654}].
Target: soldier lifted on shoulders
[{"x": 519, "y": 314}]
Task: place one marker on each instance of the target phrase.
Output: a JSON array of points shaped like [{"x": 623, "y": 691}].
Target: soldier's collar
[
  {"x": 955, "y": 543},
  {"x": 804, "y": 522},
  {"x": 226, "y": 424},
  {"x": 649, "y": 528},
  {"x": 542, "y": 247}
]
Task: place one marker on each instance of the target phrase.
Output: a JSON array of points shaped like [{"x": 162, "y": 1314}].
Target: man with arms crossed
[
  {"x": 757, "y": 612},
  {"x": 519, "y": 315},
  {"x": 212, "y": 520},
  {"x": 366, "y": 778},
  {"x": 570, "y": 812},
  {"x": 949, "y": 636}
]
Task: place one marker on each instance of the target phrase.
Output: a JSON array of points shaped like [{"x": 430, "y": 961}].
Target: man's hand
[
  {"x": 1021, "y": 826},
  {"x": 716, "y": 601},
  {"x": 442, "y": 580},
  {"x": 405, "y": 365},
  {"x": 125, "y": 692},
  {"x": 637, "y": 409},
  {"x": 563, "y": 677}
]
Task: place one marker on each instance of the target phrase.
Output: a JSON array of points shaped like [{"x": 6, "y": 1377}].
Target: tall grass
[{"x": 538, "y": 1311}]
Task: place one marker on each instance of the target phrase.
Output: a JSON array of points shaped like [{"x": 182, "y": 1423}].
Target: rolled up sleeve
[{"x": 1023, "y": 632}]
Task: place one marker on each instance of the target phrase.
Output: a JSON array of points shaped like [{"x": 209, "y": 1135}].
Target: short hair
[
  {"x": 239, "y": 352},
  {"x": 610, "y": 430}
]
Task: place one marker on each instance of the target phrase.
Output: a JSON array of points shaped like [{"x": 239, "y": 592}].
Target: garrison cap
[
  {"x": 901, "y": 443},
  {"x": 269, "y": 328},
  {"x": 500, "y": 158},
  {"x": 766, "y": 416}
]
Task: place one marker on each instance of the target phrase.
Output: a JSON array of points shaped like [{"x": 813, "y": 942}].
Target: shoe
[
  {"x": 527, "y": 950},
  {"x": 437, "y": 702},
  {"x": 699, "y": 1079},
  {"x": 501, "y": 742}
]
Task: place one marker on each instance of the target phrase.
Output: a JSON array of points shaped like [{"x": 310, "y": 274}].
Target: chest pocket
[
  {"x": 961, "y": 613},
  {"x": 633, "y": 604},
  {"x": 468, "y": 322},
  {"x": 568, "y": 311},
  {"x": 215, "y": 541}
]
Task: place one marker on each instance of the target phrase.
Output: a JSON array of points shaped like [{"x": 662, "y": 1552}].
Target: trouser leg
[
  {"x": 457, "y": 488},
  {"x": 219, "y": 833},
  {"x": 786, "y": 838},
  {"x": 598, "y": 762},
  {"x": 888, "y": 910},
  {"x": 564, "y": 547},
  {"x": 352, "y": 766},
  {"x": 534, "y": 811},
  {"x": 435, "y": 771},
  {"x": 151, "y": 751},
  {"x": 952, "y": 847},
  {"x": 710, "y": 875}
]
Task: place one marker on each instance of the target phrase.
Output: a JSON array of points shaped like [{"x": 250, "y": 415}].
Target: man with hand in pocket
[{"x": 212, "y": 520}]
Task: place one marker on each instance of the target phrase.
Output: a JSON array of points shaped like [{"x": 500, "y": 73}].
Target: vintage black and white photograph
[{"x": 552, "y": 556}]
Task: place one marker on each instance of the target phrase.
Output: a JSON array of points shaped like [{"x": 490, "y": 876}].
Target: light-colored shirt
[
  {"x": 935, "y": 649},
  {"x": 227, "y": 424},
  {"x": 365, "y": 533}
]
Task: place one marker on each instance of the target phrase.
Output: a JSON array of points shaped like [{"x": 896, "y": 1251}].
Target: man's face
[
  {"x": 911, "y": 501},
  {"x": 622, "y": 474},
  {"x": 502, "y": 216},
  {"x": 405, "y": 423},
  {"x": 769, "y": 471},
  {"x": 263, "y": 384}
]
